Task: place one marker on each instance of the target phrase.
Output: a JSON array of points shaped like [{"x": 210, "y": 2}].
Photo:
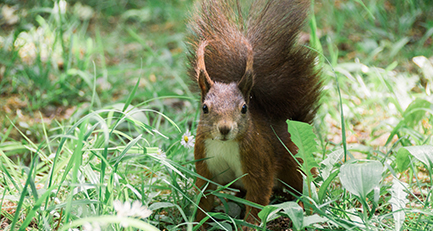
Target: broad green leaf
[
  {"x": 290, "y": 208},
  {"x": 295, "y": 212},
  {"x": 360, "y": 178},
  {"x": 268, "y": 213},
  {"x": 304, "y": 138},
  {"x": 328, "y": 163},
  {"x": 423, "y": 153},
  {"x": 313, "y": 219},
  {"x": 402, "y": 160},
  {"x": 413, "y": 114}
]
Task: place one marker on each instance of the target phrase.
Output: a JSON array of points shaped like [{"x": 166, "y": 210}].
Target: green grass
[{"x": 93, "y": 107}]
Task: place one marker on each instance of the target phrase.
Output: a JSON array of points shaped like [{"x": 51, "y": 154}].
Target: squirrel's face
[{"x": 224, "y": 113}]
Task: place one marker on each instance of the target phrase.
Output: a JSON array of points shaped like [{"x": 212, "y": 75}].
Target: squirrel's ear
[
  {"x": 204, "y": 82},
  {"x": 246, "y": 84},
  {"x": 247, "y": 81}
]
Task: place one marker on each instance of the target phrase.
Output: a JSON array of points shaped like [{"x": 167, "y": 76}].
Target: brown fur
[{"x": 254, "y": 63}]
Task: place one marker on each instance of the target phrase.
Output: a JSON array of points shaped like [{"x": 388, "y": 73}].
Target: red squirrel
[{"x": 253, "y": 76}]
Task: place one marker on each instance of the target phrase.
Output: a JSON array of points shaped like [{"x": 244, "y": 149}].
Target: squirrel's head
[{"x": 225, "y": 114}]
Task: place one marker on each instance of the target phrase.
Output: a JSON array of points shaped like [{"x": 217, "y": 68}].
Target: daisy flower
[
  {"x": 161, "y": 154},
  {"x": 187, "y": 140},
  {"x": 131, "y": 210}
]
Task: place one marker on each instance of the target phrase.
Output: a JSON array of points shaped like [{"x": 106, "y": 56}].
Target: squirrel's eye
[
  {"x": 205, "y": 109},
  {"x": 244, "y": 109}
]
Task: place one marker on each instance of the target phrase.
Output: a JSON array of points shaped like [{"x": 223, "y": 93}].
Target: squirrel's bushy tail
[{"x": 286, "y": 82}]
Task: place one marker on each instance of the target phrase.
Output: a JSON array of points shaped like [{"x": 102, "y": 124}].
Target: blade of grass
[
  {"x": 126, "y": 149},
  {"x": 23, "y": 195},
  {"x": 131, "y": 96},
  {"x": 94, "y": 87},
  {"x": 76, "y": 160},
  {"x": 30, "y": 215},
  {"x": 10, "y": 170},
  {"x": 8, "y": 131}
]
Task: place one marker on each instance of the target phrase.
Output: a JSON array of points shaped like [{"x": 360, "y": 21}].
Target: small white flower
[
  {"x": 136, "y": 205},
  {"x": 122, "y": 209},
  {"x": 187, "y": 139},
  {"x": 134, "y": 210},
  {"x": 9, "y": 15},
  {"x": 84, "y": 12},
  {"x": 161, "y": 154},
  {"x": 137, "y": 210}
]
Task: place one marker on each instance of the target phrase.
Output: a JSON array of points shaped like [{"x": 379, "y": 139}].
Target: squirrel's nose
[{"x": 224, "y": 130}]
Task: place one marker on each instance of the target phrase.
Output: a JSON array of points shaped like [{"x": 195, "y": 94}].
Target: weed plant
[{"x": 96, "y": 119}]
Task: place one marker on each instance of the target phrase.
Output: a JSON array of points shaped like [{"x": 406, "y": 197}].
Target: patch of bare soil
[{"x": 280, "y": 224}]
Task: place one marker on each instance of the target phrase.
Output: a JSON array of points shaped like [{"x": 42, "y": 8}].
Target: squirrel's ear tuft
[
  {"x": 204, "y": 82},
  {"x": 246, "y": 84},
  {"x": 247, "y": 81}
]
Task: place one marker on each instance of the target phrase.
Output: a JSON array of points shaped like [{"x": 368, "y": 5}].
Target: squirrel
[{"x": 253, "y": 76}]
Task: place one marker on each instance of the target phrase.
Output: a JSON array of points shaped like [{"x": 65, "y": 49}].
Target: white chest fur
[{"x": 224, "y": 161}]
